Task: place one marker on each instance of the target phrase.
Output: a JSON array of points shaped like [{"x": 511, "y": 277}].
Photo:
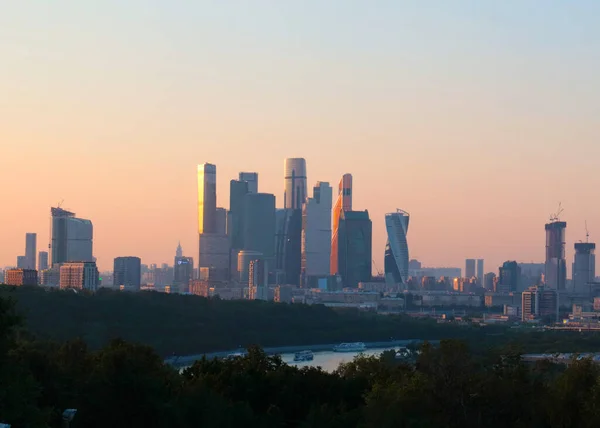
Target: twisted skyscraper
[{"x": 396, "y": 249}]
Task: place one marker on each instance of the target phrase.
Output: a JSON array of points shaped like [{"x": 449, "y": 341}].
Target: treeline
[
  {"x": 175, "y": 324},
  {"x": 128, "y": 385}
]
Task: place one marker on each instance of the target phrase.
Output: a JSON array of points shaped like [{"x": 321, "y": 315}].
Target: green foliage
[{"x": 123, "y": 384}]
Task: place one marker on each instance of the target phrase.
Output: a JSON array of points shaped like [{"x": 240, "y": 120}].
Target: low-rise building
[{"x": 21, "y": 277}]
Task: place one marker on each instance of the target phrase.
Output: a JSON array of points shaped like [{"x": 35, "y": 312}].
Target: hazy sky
[{"x": 477, "y": 117}]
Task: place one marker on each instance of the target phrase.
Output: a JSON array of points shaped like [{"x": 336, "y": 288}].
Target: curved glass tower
[
  {"x": 295, "y": 183},
  {"x": 396, "y": 248}
]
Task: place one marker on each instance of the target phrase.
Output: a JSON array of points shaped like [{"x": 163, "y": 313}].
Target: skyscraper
[
  {"x": 72, "y": 237},
  {"x": 127, "y": 273},
  {"x": 470, "y": 268},
  {"x": 30, "y": 250},
  {"x": 183, "y": 273},
  {"x": 342, "y": 203},
  {"x": 213, "y": 243},
  {"x": 584, "y": 267},
  {"x": 509, "y": 277},
  {"x": 480, "y": 271},
  {"x": 237, "y": 192},
  {"x": 396, "y": 249},
  {"x": 42, "y": 260},
  {"x": 252, "y": 179},
  {"x": 295, "y": 183},
  {"x": 22, "y": 262},
  {"x": 179, "y": 250},
  {"x": 354, "y": 247},
  {"x": 207, "y": 198},
  {"x": 259, "y": 224},
  {"x": 316, "y": 232},
  {"x": 556, "y": 265},
  {"x": 221, "y": 221}
]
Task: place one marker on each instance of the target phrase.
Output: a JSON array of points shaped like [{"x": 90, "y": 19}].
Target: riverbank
[{"x": 188, "y": 360}]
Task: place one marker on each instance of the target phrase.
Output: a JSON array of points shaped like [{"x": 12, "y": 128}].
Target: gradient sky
[{"x": 477, "y": 117}]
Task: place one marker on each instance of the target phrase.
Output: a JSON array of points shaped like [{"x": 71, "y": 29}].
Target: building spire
[{"x": 179, "y": 252}]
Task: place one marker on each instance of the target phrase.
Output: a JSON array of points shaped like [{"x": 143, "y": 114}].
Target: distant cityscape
[{"x": 317, "y": 248}]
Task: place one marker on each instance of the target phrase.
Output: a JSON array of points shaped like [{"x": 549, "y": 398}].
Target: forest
[
  {"x": 173, "y": 324},
  {"x": 128, "y": 385}
]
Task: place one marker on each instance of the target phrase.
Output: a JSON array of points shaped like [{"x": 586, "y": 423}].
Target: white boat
[
  {"x": 350, "y": 347},
  {"x": 303, "y": 356}
]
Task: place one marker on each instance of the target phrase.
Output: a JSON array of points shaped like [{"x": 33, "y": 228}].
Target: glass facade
[
  {"x": 207, "y": 198},
  {"x": 342, "y": 203},
  {"x": 355, "y": 247},
  {"x": 556, "y": 265},
  {"x": 396, "y": 250}
]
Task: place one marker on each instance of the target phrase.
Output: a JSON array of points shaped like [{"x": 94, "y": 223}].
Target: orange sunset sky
[{"x": 475, "y": 118}]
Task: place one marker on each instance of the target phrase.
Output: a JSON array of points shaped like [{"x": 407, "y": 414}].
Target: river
[{"x": 329, "y": 360}]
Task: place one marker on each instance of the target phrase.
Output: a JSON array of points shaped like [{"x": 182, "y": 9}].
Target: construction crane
[
  {"x": 587, "y": 234},
  {"x": 556, "y": 216},
  {"x": 376, "y": 268}
]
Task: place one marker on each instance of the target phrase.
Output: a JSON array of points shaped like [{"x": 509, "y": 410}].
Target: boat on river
[
  {"x": 303, "y": 356},
  {"x": 350, "y": 347}
]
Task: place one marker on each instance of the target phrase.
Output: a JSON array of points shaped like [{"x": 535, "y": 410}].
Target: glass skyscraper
[
  {"x": 295, "y": 183},
  {"x": 556, "y": 265},
  {"x": 354, "y": 247},
  {"x": 259, "y": 224},
  {"x": 342, "y": 203},
  {"x": 207, "y": 198},
  {"x": 396, "y": 249},
  {"x": 71, "y": 237}
]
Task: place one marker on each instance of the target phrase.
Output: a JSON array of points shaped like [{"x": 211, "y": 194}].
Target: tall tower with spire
[{"x": 179, "y": 252}]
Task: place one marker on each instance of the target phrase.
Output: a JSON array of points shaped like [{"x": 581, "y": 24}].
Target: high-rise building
[
  {"x": 509, "y": 277},
  {"x": 30, "y": 250},
  {"x": 470, "y": 268},
  {"x": 556, "y": 265},
  {"x": 295, "y": 183},
  {"x": 259, "y": 224},
  {"x": 207, "y": 198},
  {"x": 42, "y": 260},
  {"x": 50, "y": 277},
  {"x": 72, "y": 237},
  {"x": 183, "y": 273},
  {"x": 179, "y": 250},
  {"x": 213, "y": 243},
  {"x": 237, "y": 192},
  {"x": 243, "y": 264},
  {"x": 221, "y": 221},
  {"x": 488, "y": 281},
  {"x": 127, "y": 273},
  {"x": 252, "y": 179},
  {"x": 538, "y": 302},
  {"x": 342, "y": 203},
  {"x": 480, "y": 271},
  {"x": 354, "y": 248},
  {"x": 584, "y": 267},
  {"x": 21, "y": 262},
  {"x": 316, "y": 232},
  {"x": 258, "y": 280},
  {"x": 79, "y": 275},
  {"x": 396, "y": 249}
]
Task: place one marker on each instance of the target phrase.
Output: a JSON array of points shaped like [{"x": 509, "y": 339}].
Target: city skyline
[{"x": 470, "y": 102}]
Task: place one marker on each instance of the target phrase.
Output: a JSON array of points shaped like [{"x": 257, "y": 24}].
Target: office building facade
[
  {"x": 30, "y": 250},
  {"x": 343, "y": 203},
  {"x": 79, "y": 275},
  {"x": 259, "y": 224},
  {"x": 396, "y": 255},
  {"x": 252, "y": 179},
  {"x": 509, "y": 277},
  {"x": 237, "y": 192},
  {"x": 355, "y": 248},
  {"x": 470, "y": 268},
  {"x": 20, "y": 277},
  {"x": 480, "y": 271},
  {"x": 538, "y": 302},
  {"x": 21, "y": 262},
  {"x": 127, "y": 273},
  {"x": 42, "y": 260},
  {"x": 295, "y": 183},
  {"x": 316, "y": 233},
  {"x": 556, "y": 265},
  {"x": 72, "y": 237},
  {"x": 258, "y": 280},
  {"x": 584, "y": 267},
  {"x": 183, "y": 273}
]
